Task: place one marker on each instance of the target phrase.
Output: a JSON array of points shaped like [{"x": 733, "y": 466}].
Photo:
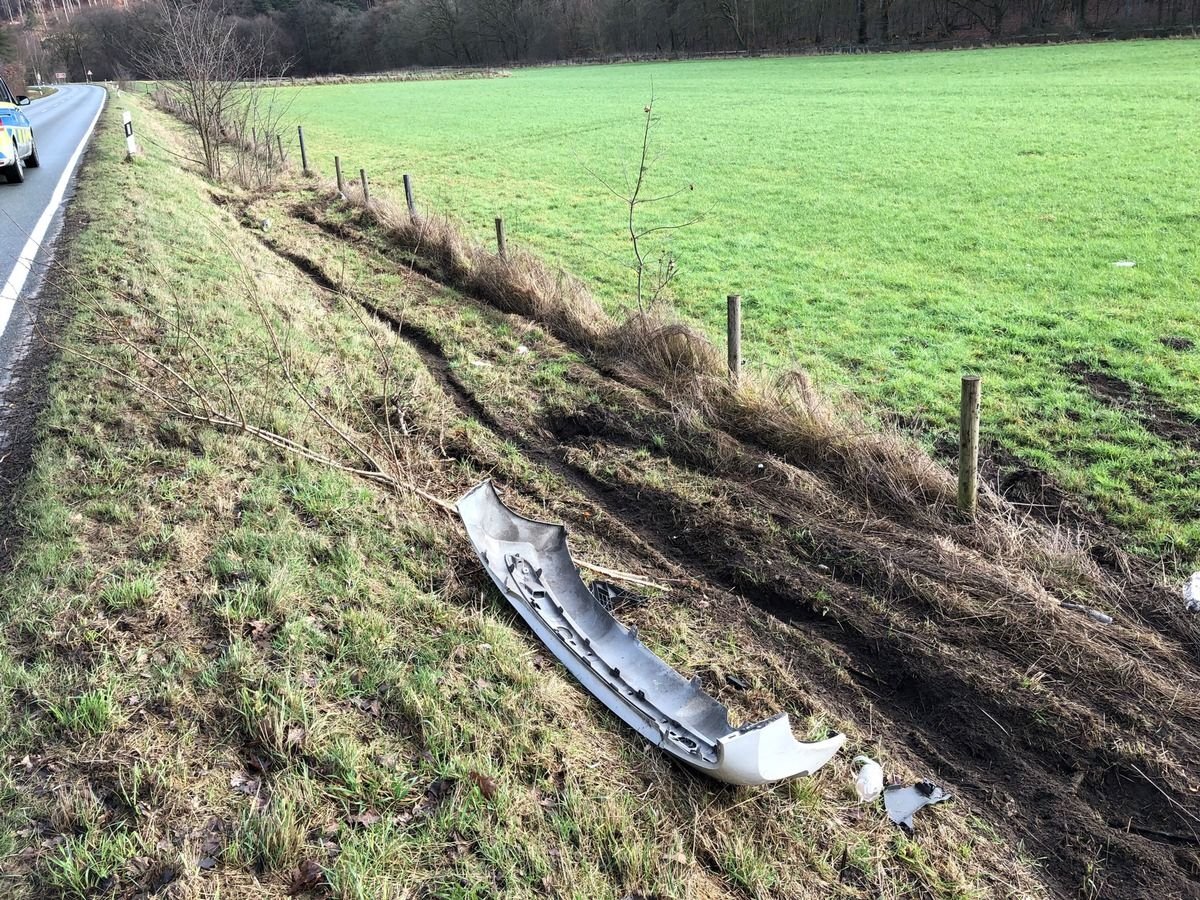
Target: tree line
[{"x": 320, "y": 37}]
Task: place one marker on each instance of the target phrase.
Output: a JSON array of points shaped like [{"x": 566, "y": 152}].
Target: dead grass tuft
[
  {"x": 520, "y": 283},
  {"x": 785, "y": 415}
]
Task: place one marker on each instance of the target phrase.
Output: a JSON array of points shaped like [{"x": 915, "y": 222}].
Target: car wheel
[
  {"x": 32, "y": 161},
  {"x": 15, "y": 173}
]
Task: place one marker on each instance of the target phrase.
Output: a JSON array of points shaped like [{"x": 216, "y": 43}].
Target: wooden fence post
[
  {"x": 968, "y": 446},
  {"x": 366, "y": 188},
  {"x": 733, "y": 328},
  {"x": 303, "y": 152},
  {"x": 337, "y": 169},
  {"x": 501, "y": 241},
  {"x": 279, "y": 141},
  {"x": 408, "y": 197}
]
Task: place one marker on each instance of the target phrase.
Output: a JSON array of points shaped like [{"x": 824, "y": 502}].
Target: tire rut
[{"x": 924, "y": 695}]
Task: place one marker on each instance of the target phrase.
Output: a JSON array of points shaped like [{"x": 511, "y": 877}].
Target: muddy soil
[
  {"x": 1156, "y": 415},
  {"x": 1074, "y": 739}
]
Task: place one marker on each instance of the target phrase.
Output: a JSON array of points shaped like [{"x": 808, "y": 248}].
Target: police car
[{"x": 17, "y": 148}]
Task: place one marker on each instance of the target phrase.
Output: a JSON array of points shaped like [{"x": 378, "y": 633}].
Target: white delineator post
[{"x": 130, "y": 144}]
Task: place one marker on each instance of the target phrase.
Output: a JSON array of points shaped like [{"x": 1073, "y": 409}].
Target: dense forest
[{"x": 315, "y": 37}]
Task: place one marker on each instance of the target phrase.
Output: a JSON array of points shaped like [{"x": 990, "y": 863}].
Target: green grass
[
  {"x": 892, "y": 222},
  {"x": 218, "y": 664}
]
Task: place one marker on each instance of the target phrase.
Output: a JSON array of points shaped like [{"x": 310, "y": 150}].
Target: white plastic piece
[
  {"x": 904, "y": 801},
  {"x": 760, "y": 754},
  {"x": 1094, "y": 614},
  {"x": 1191, "y": 593},
  {"x": 1124, "y": 264},
  {"x": 869, "y": 782}
]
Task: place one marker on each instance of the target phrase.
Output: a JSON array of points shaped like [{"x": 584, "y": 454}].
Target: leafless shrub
[
  {"x": 654, "y": 268},
  {"x": 203, "y": 67},
  {"x": 254, "y": 132}
]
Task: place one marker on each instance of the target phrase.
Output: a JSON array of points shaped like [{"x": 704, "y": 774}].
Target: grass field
[
  {"x": 228, "y": 673},
  {"x": 227, "y": 670},
  {"x": 892, "y": 221}
]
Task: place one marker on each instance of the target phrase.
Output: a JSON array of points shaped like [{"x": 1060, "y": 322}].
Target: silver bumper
[{"x": 531, "y": 565}]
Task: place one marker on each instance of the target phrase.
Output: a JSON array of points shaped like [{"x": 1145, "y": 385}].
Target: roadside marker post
[
  {"x": 130, "y": 144},
  {"x": 968, "y": 446}
]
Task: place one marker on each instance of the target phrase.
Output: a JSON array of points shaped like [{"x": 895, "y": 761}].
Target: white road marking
[{"x": 24, "y": 264}]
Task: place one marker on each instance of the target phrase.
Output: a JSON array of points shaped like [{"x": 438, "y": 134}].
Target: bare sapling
[
  {"x": 208, "y": 75},
  {"x": 653, "y": 262}
]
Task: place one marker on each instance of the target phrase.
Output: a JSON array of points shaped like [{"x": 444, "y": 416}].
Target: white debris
[
  {"x": 869, "y": 782},
  {"x": 904, "y": 801},
  {"x": 1191, "y": 593},
  {"x": 265, "y": 224},
  {"x": 1094, "y": 614},
  {"x": 522, "y": 350},
  {"x": 1124, "y": 264},
  {"x": 482, "y": 363}
]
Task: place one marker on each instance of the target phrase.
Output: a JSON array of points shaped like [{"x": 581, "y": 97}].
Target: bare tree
[
  {"x": 731, "y": 11},
  {"x": 654, "y": 268},
  {"x": 204, "y": 68}
]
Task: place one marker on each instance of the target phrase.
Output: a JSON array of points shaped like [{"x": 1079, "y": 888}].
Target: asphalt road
[{"x": 31, "y": 213}]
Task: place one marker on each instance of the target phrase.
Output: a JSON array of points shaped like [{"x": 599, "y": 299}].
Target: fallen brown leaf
[
  {"x": 365, "y": 819},
  {"x": 246, "y": 784},
  {"x": 370, "y": 707},
  {"x": 434, "y": 794},
  {"x": 486, "y": 783},
  {"x": 305, "y": 877},
  {"x": 296, "y": 736}
]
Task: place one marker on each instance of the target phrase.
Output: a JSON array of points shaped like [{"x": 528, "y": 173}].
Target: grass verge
[{"x": 225, "y": 671}]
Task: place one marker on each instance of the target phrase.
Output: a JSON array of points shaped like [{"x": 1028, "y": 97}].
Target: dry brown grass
[{"x": 782, "y": 413}]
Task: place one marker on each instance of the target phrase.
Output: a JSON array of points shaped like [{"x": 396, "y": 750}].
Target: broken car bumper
[{"x": 530, "y": 563}]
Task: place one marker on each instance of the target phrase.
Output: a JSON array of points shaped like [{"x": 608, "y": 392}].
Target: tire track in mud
[
  {"x": 1161, "y": 419},
  {"x": 437, "y": 365},
  {"x": 929, "y": 702},
  {"x": 935, "y": 703}
]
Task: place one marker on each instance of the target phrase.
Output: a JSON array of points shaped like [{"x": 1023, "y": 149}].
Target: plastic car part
[
  {"x": 904, "y": 801},
  {"x": 531, "y": 565},
  {"x": 868, "y": 784}
]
